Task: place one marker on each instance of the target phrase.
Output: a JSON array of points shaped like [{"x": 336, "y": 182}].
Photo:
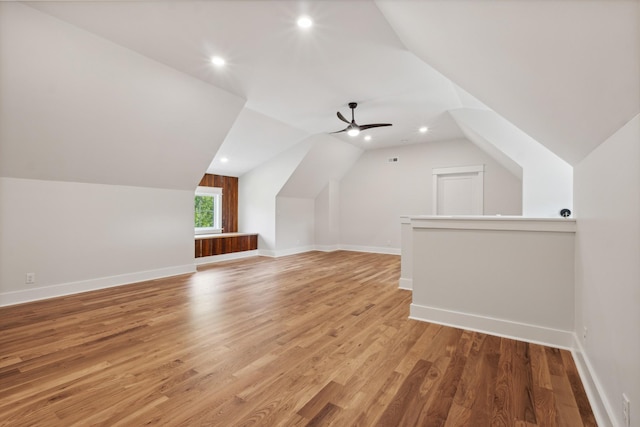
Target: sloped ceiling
[
  {"x": 328, "y": 160},
  {"x": 297, "y": 78},
  {"x": 76, "y": 107},
  {"x": 253, "y": 139},
  {"x": 564, "y": 71}
]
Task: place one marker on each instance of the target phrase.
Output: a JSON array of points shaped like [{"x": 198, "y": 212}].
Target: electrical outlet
[
  {"x": 584, "y": 333},
  {"x": 626, "y": 410},
  {"x": 30, "y": 278}
]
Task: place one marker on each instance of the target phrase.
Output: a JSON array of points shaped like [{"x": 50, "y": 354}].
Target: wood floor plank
[
  {"x": 310, "y": 339},
  {"x": 577, "y": 388},
  {"x": 402, "y": 409}
]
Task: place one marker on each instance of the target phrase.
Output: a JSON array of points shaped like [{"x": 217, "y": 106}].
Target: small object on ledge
[{"x": 566, "y": 213}]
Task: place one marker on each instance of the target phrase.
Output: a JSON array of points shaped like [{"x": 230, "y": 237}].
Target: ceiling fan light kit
[{"x": 354, "y": 129}]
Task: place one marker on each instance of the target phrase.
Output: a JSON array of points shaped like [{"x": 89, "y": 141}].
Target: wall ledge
[
  {"x": 220, "y": 235},
  {"x": 503, "y": 223}
]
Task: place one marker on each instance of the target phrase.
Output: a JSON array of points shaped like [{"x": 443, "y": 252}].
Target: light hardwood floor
[{"x": 310, "y": 339}]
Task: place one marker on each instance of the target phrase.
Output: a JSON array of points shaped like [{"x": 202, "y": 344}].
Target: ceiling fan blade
[
  {"x": 341, "y": 117},
  {"x": 338, "y": 131},
  {"x": 374, "y": 125}
]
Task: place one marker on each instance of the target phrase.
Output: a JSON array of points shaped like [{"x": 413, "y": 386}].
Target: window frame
[{"x": 216, "y": 193}]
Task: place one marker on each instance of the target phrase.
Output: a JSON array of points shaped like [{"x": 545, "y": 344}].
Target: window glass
[{"x": 208, "y": 210}]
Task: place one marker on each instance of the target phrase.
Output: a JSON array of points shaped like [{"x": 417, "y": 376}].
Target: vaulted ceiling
[{"x": 565, "y": 72}]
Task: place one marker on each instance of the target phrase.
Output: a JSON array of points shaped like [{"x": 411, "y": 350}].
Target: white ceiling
[
  {"x": 253, "y": 139},
  {"x": 288, "y": 76},
  {"x": 566, "y": 72}
]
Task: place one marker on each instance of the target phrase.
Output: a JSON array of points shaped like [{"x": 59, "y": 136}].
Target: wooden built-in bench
[{"x": 224, "y": 243}]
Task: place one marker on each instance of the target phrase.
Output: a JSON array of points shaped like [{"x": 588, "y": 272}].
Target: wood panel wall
[
  {"x": 225, "y": 245},
  {"x": 229, "y": 185}
]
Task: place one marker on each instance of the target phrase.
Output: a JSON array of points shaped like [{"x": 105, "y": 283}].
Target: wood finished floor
[{"x": 306, "y": 340}]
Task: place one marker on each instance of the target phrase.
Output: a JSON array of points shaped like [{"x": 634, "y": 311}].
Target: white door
[{"x": 459, "y": 191}]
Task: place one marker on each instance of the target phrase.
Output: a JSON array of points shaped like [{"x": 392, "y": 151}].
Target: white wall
[
  {"x": 101, "y": 151},
  {"x": 607, "y": 209},
  {"x": 505, "y": 276},
  {"x": 327, "y": 217},
  {"x": 375, "y": 193},
  {"x": 294, "y": 225},
  {"x": 77, "y": 237},
  {"x": 299, "y": 173},
  {"x": 257, "y": 191}
]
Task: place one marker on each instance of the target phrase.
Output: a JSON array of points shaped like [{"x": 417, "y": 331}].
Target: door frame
[{"x": 478, "y": 184}]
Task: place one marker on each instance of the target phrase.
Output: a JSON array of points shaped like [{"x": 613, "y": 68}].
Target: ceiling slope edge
[
  {"x": 329, "y": 159},
  {"x": 547, "y": 180},
  {"x": 491, "y": 149}
]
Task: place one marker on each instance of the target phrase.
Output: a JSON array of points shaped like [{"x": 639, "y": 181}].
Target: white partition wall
[
  {"x": 406, "y": 252},
  {"x": 509, "y": 276}
]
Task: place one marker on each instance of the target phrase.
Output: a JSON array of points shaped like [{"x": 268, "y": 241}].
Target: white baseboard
[
  {"x": 226, "y": 257},
  {"x": 45, "y": 292},
  {"x": 406, "y": 284},
  {"x": 371, "y": 249},
  {"x": 503, "y": 328},
  {"x": 267, "y": 252},
  {"x": 327, "y": 248},
  {"x": 286, "y": 252},
  {"x": 600, "y": 406}
]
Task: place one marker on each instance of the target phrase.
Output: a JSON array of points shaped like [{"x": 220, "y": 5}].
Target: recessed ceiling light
[
  {"x": 218, "y": 61},
  {"x": 423, "y": 129},
  {"x": 305, "y": 22},
  {"x": 367, "y": 138},
  {"x": 224, "y": 159}
]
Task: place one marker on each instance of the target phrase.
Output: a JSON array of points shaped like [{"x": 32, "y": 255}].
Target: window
[{"x": 208, "y": 210}]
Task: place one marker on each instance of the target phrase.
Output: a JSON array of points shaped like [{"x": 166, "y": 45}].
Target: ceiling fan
[{"x": 354, "y": 129}]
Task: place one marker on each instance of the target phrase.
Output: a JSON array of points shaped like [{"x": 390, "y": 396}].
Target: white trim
[
  {"x": 198, "y": 231},
  {"x": 561, "y": 225},
  {"x": 458, "y": 169},
  {"x": 371, "y": 249},
  {"x": 600, "y": 406},
  {"x": 292, "y": 251},
  {"x": 331, "y": 248},
  {"x": 327, "y": 248},
  {"x": 225, "y": 257},
  {"x": 216, "y": 193},
  {"x": 45, "y": 292},
  {"x": 208, "y": 190},
  {"x": 503, "y": 328},
  {"x": 406, "y": 284},
  {"x": 267, "y": 252}
]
